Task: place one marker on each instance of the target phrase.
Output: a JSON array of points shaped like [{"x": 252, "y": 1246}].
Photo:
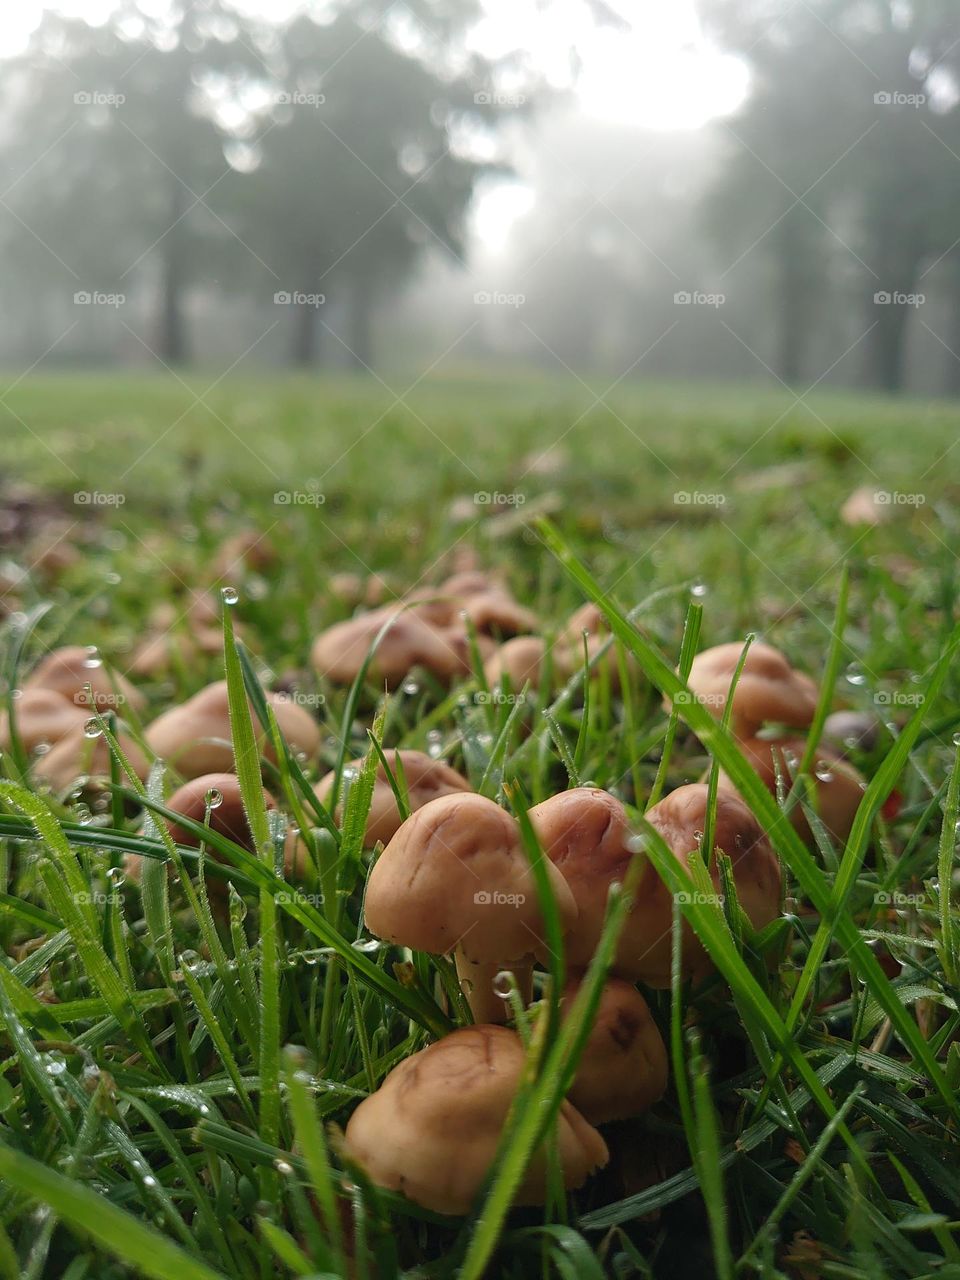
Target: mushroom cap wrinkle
[
  {"x": 456, "y": 875},
  {"x": 431, "y": 1130},
  {"x": 768, "y": 691}
]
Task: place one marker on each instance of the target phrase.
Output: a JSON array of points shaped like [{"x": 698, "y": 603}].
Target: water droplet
[
  {"x": 55, "y": 1064},
  {"x": 213, "y": 799},
  {"x": 503, "y": 984},
  {"x": 229, "y": 595},
  {"x": 41, "y": 748},
  {"x": 283, "y": 1167},
  {"x": 16, "y": 694},
  {"x": 350, "y": 774},
  {"x": 956, "y": 739},
  {"x": 116, "y": 876},
  {"x": 698, "y": 836},
  {"x": 823, "y": 771},
  {"x": 367, "y": 944},
  {"x": 189, "y": 960},
  {"x": 854, "y": 675},
  {"x": 112, "y": 579},
  {"x": 93, "y": 659},
  {"x": 636, "y": 844},
  {"x": 149, "y": 1181},
  {"x": 410, "y": 687},
  {"x": 699, "y": 589},
  {"x": 91, "y": 728}
]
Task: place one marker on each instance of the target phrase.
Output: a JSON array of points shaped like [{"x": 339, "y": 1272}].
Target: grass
[{"x": 173, "y": 1074}]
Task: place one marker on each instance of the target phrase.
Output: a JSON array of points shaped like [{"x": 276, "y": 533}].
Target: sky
[{"x": 660, "y": 73}]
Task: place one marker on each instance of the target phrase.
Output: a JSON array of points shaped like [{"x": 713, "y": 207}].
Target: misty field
[{"x": 179, "y": 1062}]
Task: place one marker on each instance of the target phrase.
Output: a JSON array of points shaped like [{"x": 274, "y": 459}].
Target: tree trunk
[
  {"x": 888, "y": 344},
  {"x": 796, "y": 287},
  {"x": 306, "y": 337},
  {"x": 361, "y": 325},
  {"x": 952, "y": 357},
  {"x": 172, "y": 339}
]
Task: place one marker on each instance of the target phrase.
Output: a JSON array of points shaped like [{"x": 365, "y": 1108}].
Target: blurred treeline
[{"x": 228, "y": 189}]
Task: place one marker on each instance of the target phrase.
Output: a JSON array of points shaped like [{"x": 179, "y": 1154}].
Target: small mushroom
[
  {"x": 455, "y": 878},
  {"x": 623, "y": 1068},
  {"x": 432, "y": 1128},
  {"x": 494, "y": 612},
  {"x": 586, "y": 834},
  {"x": 42, "y": 718},
  {"x": 426, "y": 780},
  {"x": 522, "y": 659},
  {"x": 227, "y": 817},
  {"x": 852, "y": 731},
  {"x": 67, "y": 671},
  {"x": 838, "y": 786},
  {"x": 768, "y": 691},
  {"x": 76, "y": 756},
  {"x": 340, "y": 652},
  {"x": 195, "y": 737}
]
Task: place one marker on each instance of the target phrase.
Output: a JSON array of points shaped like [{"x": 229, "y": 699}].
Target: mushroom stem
[{"x": 477, "y": 983}]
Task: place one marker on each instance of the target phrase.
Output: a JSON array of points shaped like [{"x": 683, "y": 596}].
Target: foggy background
[{"x": 727, "y": 189}]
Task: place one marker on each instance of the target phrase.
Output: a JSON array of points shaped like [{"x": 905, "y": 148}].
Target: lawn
[{"x": 166, "y": 1060}]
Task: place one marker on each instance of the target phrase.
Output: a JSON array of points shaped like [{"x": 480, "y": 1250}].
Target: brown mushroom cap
[
  {"x": 769, "y": 690},
  {"x": 456, "y": 875},
  {"x": 839, "y": 786},
  {"x": 623, "y": 1068},
  {"x": 431, "y": 1130},
  {"x": 42, "y": 718},
  {"x": 76, "y": 756},
  {"x": 586, "y": 833},
  {"x": 426, "y": 780},
  {"x": 340, "y": 651},
  {"x": 66, "y": 671},
  {"x": 195, "y": 737},
  {"x": 495, "y": 612},
  {"x": 521, "y": 658}
]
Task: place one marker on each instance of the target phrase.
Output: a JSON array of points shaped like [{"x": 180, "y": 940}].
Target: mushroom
[
  {"x": 42, "y": 718},
  {"x": 623, "y": 1067},
  {"x": 522, "y": 659},
  {"x": 494, "y": 612},
  {"x": 195, "y": 737},
  {"x": 852, "y": 731},
  {"x": 768, "y": 691},
  {"x": 838, "y": 786},
  {"x": 69, "y": 670},
  {"x": 340, "y": 652},
  {"x": 227, "y": 817},
  {"x": 586, "y": 834},
  {"x": 426, "y": 779},
  {"x": 432, "y": 1129},
  {"x": 76, "y": 756},
  {"x": 456, "y": 878}
]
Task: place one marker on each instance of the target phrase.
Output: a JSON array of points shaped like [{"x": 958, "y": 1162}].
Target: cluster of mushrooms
[{"x": 453, "y": 878}]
